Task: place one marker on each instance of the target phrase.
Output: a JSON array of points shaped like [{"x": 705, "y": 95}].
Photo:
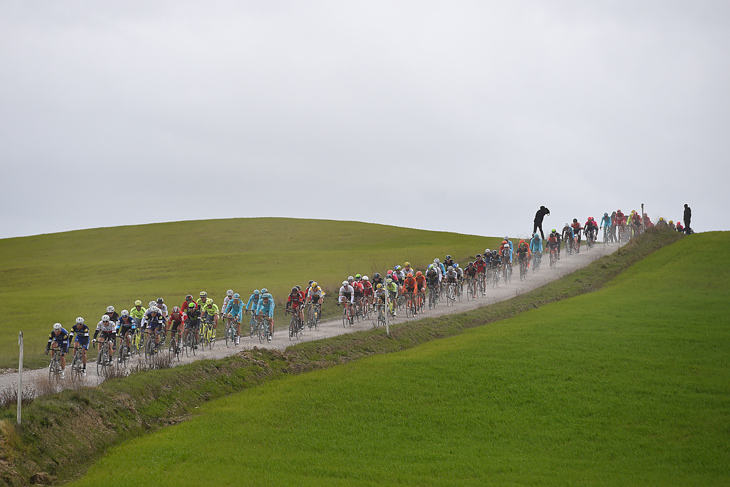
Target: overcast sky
[{"x": 458, "y": 116}]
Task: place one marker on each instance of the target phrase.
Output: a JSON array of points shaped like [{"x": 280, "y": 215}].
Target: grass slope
[
  {"x": 627, "y": 385},
  {"x": 57, "y": 277}
]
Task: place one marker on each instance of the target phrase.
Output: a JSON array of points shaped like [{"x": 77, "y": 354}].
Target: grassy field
[
  {"x": 55, "y": 278},
  {"x": 629, "y": 385}
]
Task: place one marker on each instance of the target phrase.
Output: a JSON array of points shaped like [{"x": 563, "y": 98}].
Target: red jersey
[
  {"x": 367, "y": 288},
  {"x": 480, "y": 265},
  {"x": 294, "y": 300}
]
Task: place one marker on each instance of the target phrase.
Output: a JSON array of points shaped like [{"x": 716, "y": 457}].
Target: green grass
[
  {"x": 626, "y": 385},
  {"x": 55, "y": 278}
]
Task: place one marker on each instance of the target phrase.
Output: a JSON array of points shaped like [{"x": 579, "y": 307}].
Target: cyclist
[
  {"x": 407, "y": 268},
  {"x": 505, "y": 251},
  {"x": 137, "y": 313},
  {"x": 576, "y": 234},
  {"x": 201, "y": 302},
  {"x": 420, "y": 286},
  {"x": 496, "y": 261},
  {"x": 591, "y": 229},
  {"x": 451, "y": 275},
  {"x": 554, "y": 243},
  {"x": 253, "y": 302},
  {"x": 523, "y": 253},
  {"x": 459, "y": 272},
  {"x": 107, "y": 329},
  {"x": 295, "y": 303},
  {"x": 176, "y": 322},
  {"x": 359, "y": 290},
  {"x": 266, "y": 309},
  {"x": 125, "y": 327},
  {"x": 188, "y": 302},
  {"x": 392, "y": 288},
  {"x": 448, "y": 262},
  {"x": 153, "y": 322},
  {"x": 234, "y": 309},
  {"x": 409, "y": 286},
  {"x": 380, "y": 293},
  {"x": 440, "y": 268},
  {"x": 210, "y": 313},
  {"x": 58, "y": 340},
  {"x": 536, "y": 246},
  {"x": 568, "y": 238},
  {"x": 433, "y": 278},
  {"x": 471, "y": 275},
  {"x": 347, "y": 296},
  {"x": 481, "y": 266},
  {"x": 511, "y": 248},
  {"x": 113, "y": 315},
  {"x": 606, "y": 223},
  {"x": 367, "y": 290},
  {"x": 81, "y": 339},
  {"x": 160, "y": 303},
  {"x": 229, "y": 296},
  {"x": 377, "y": 280},
  {"x": 679, "y": 227},
  {"x": 620, "y": 223},
  {"x": 192, "y": 320},
  {"x": 399, "y": 274}
]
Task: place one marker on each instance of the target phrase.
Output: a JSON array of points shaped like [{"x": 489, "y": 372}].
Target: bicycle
[
  {"x": 105, "y": 359},
  {"x": 347, "y": 318},
  {"x": 231, "y": 327},
  {"x": 522, "y": 262},
  {"x": 206, "y": 334},
  {"x": 433, "y": 297},
  {"x": 190, "y": 341},
  {"x": 471, "y": 290},
  {"x": 262, "y": 326},
  {"x": 553, "y": 258},
  {"x": 495, "y": 276},
  {"x": 536, "y": 260},
  {"x": 54, "y": 368},
  {"x": 410, "y": 305},
  {"x": 481, "y": 284},
  {"x": 381, "y": 315},
  {"x": 174, "y": 348},
  {"x": 421, "y": 300},
  {"x": 606, "y": 235},
  {"x": 151, "y": 348},
  {"x": 77, "y": 363},
  {"x": 295, "y": 325},
  {"x": 313, "y": 312},
  {"x": 450, "y": 294}
]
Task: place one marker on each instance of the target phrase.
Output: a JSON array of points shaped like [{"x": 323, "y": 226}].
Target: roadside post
[
  {"x": 387, "y": 314},
  {"x": 642, "y": 218},
  {"x": 20, "y": 375}
]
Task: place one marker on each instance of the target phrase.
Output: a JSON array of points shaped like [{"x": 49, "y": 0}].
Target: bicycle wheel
[
  {"x": 100, "y": 359},
  {"x": 229, "y": 336},
  {"x": 292, "y": 328},
  {"x": 261, "y": 331},
  {"x": 345, "y": 318},
  {"x": 317, "y": 313},
  {"x": 122, "y": 353}
]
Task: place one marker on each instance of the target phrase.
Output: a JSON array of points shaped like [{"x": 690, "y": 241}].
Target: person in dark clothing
[
  {"x": 538, "y": 220},
  {"x": 687, "y": 218}
]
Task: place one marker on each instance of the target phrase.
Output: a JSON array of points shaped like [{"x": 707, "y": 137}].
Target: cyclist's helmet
[
  {"x": 554, "y": 230},
  {"x": 456, "y": 266},
  {"x": 79, "y": 321},
  {"x": 505, "y": 242},
  {"x": 365, "y": 278},
  {"x": 294, "y": 290},
  {"x": 154, "y": 309},
  {"x": 209, "y": 301},
  {"x": 407, "y": 264},
  {"x": 104, "y": 318},
  {"x": 125, "y": 312},
  {"x": 479, "y": 256},
  {"x": 605, "y": 214},
  {"x": 160, "y": 301},
  {"x": 379, "y": 286},
  {"x": 522, "y": 240},
  {"x": 430, "y": 266},
  {"x": 57, "y": 326},
  {"x": 471, "y": 264},
  {"x": 410, "y": 274},
  {"x": 671, "y": 222},
  {"x": 419, "y": 273},
  {"x": 175, "y": 309},
  {"x": 256, "y": 292},
  {"x": 506, "y": 237},
  {"x": 264, "y": 290},
  {"x": 389, "y": 281},
  {"x": 229, "y": 293},
  {"x": 110, "y": 309},
  {"x": 345, "y": 283},
  {"x": 236, "y": 296},
  {"x": 151, "y": 304},
  {"x": 390, "y": 273},
  {"x": 314, "y": 284},
  {"x": 575, "y": 220},
  {"x": 310, "y": 282},
  {"x": 358, "y": 276},
  {"x": 139, "y": 303},
  {"x": 377, "y": 275},
  {"x": 448, "y": 257},
  {"x": 487, "y": 252},
  {"x": 266, "y": 296},
  {"x": 436, "y": 260},
  {"x": 189, "y": 297},
  {"x": 350, "y": 278},
  {"x": 397, "y": 267},
  {"x": 494, "y": 252},
  {"x": 299, "y": 288},
  {"x": 203, "y": 294}
]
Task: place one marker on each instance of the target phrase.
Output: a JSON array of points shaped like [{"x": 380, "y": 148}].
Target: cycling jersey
[
  {"x": 211, "y": 310},
  {"x": 348, "y": 293},
  {"x": 432, "y": 276},
  {"x": 357, "y": 287},
  {"x": 451, "y": 276},
  {"x": 152, "y": 320},
  {"x": 266, "y": 308},
  {"x": 234, "y": 307},
  {"x": 294, "y": 301},
  {"x": 253, "y": 302},
  {"x": 410, "y": 284},
  {"x": 536, "y": 245},
  {"x": 61, "y": 339},
  {"x": 522, "y": 251},
  {"x": 471, "y": 271},
  {"x": 606, "y": 221},
  {"x": 367, "y": 288},
  {"x": 177, "y": 317},
  {"x": 480, "y": 265},
  {"x": 421, "y": 282},
  {"x": 113, "y": 316}
]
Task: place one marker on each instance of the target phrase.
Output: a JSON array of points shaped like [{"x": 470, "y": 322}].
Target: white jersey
[{"x": 347, "y": 292}]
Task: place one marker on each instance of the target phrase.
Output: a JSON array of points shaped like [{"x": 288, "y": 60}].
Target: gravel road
[{"x": 334, "y": 327}]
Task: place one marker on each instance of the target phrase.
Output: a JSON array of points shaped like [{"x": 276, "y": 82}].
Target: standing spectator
[
  {"x": 538, "y": 220},
  {"x": 687, "y": 218}
]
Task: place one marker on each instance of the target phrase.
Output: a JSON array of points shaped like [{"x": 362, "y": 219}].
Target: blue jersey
[
  {"x": 266, "y": 309},
  {"x": 234, "y": 307},
  {"x": 253, "y": 302},
  {"x": 536, "y": 245},
  {"x": 606, "y": 221}
]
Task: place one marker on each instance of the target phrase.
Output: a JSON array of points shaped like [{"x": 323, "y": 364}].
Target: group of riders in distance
[{"x": 195, "y": 322}]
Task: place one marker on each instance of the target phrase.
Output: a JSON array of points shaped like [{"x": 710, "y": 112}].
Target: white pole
[{"x": 20, "y": 375}]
